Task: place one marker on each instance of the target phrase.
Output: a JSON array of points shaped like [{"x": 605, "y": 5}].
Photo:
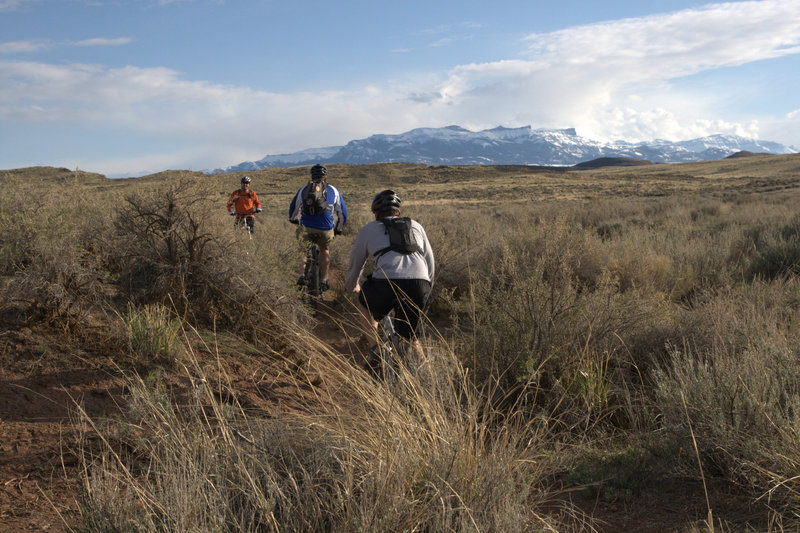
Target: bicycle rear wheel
[
  {"x": 388, "y": 354},
  {"x": 312, "y": 271}
]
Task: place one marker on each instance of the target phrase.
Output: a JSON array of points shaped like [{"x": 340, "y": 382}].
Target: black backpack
[
  {"x": 401, "y": 238},
  {"x": 315, "y": 198}
]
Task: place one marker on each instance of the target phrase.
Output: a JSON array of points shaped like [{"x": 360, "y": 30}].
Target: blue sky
[{"x": 127, "y": 87}]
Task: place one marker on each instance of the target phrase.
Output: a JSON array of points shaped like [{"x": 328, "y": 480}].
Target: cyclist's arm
[
  {"x": 340, "y": 208},
  {"x": 256, "y": 203},
  {"x": 358, "y": 256},
  {"x": 427, "y": 253},
  {"x": 294, "y": 207},
  {"x": 231, "y": 200}
]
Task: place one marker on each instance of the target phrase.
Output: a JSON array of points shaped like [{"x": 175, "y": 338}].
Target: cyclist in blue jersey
[{"x": 320, "y": 211}]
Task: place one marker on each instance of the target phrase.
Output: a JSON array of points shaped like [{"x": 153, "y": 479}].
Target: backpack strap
[{"x": 382, "y": 251}]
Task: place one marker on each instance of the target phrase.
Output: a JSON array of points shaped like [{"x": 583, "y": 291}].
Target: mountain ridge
[{"x": 455, "y": 145}]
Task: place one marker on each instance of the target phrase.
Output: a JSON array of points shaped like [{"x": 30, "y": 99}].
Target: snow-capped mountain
[
  {"x": 302, "y": 157},
  {"x": 454, "y": 145}
]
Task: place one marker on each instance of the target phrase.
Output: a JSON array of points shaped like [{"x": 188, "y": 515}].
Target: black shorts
[{"x": 406, "y": 296}]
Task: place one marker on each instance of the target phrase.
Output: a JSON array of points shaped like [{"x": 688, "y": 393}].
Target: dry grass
[
  {"x": 427, "y": 453},
  {"x": 576, "y": 312}
]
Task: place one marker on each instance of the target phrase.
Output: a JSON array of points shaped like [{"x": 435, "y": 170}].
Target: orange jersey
[{"x": 245, "y": 201}]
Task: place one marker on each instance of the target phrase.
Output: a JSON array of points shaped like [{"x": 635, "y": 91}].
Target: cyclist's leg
[
  {"x": 323, "y": 239},
  {"x": 251, "y": 222},
  {"x": 324, "y": 262},
  {"x": 375, "y": 300},
  {"x": 312, "y": 271},
  {"x": 302, "y": 244},
  {"x": 411, "y": 297}
]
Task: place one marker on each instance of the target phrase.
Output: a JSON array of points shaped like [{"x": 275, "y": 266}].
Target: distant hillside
[
  {"x": 745, "y": 153},
  {"x": 409, "y": 176},
  {"x": 612, "y": 162},
  {"x": 53, "y": 174}
]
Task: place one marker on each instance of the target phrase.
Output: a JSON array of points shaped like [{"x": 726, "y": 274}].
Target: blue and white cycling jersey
[{"x": 325, "y": 220}]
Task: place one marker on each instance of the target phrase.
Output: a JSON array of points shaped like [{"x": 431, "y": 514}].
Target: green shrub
[
  {"x": 569, "y": 338},
  {"x": 776, "y": 250},
  {"x": 616, "y": 475}
]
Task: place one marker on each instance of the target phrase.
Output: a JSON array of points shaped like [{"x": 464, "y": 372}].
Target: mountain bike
[
  {"x": 385, "y": 358},
  {"x": 311, "y": 274},
  {"x": 241, "y": 220}
]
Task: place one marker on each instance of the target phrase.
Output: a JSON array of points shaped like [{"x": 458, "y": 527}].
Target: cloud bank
[{"x": 619, "y": 79}]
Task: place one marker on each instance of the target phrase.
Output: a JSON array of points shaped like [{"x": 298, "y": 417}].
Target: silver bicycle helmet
[
  {"x": 246, "y": 179},
  {"x": 385, "y": 201}
]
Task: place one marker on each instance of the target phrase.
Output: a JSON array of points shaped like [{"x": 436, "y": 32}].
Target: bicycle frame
[
  {"x": 241, "y": 222},
  {"x": 388, "y": 335}
]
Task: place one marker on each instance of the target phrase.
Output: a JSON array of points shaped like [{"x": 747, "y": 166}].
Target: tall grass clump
[
  {"x": 50, "y": 250},
  {"x": 739, "y": 393},
  {"x": 153, "y": 335},
  {"x": 355, "y": 455},
  {"x": 775, "y": 249}
]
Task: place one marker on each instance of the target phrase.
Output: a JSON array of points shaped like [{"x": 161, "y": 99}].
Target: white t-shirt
[{"x": 391, "y": 265}]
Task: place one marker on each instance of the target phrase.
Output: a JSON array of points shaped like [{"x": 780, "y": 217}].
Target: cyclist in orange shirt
[{"x": 243, "y": 203}]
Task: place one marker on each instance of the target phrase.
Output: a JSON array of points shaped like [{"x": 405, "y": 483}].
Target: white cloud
[
  {"x": 18, "y": 47},
  {"x": 37, "y": 45},
  {"x": 444, "y": 41},
  {"x": 158, "y": 101},
  {"x": 9, "y": 5},
  {"x": 100, "y": 41},
  {"x": 677, "y": 44},
  {"x": 787, "y": 127}
]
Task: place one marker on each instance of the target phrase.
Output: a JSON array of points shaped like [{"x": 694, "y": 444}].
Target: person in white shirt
[{"x": 403, "y": 274}]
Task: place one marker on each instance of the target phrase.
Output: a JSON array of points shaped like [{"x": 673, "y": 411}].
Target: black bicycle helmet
[
  {"x": 318, "y": 172},
  {"x": 246, "y": 179},
  {"x": 385, "y": 201}
]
